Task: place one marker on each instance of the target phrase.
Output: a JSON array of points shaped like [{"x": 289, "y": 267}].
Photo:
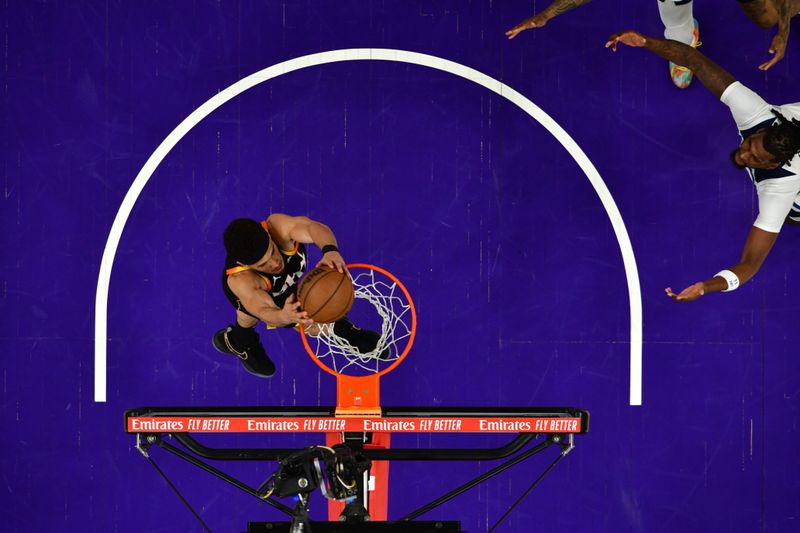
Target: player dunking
[
  {"x": 768, "y": 151},
  {"x": 263, "y": 265}
]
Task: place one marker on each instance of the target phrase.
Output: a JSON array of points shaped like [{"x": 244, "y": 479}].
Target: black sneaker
[
  {"x": 254, "y": 358},
  {"x": 362, "y": 340}
]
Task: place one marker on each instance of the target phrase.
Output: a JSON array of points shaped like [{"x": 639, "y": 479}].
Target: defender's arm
[
  {"x": 553, "y": 10},
  {"x": 756, "y": 249},
  {"x": 715, "y": 78},
  {"x": 778, "y": 46}
]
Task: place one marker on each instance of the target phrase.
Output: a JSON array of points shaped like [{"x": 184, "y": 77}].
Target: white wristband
[{"x": 730, "y": 277}]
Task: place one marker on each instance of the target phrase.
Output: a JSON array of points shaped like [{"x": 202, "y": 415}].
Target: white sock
[{"x": 678, "y": 21}]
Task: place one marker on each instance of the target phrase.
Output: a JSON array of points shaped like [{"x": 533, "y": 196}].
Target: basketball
[{"x": 325, "y": 294}]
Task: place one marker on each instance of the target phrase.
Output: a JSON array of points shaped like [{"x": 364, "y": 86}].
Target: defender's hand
[
  {"x": 333, "y": 260},
  {"x": 292, "y": 314},
  {"x": 690, "y": 293},
  {"x": 777, "y": 49},
  {"x": 628, "y": 37},
  {"x": 536, "y": 21}
]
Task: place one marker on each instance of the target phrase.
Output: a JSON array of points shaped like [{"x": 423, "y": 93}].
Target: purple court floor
[{"x": 514, "y": 263}]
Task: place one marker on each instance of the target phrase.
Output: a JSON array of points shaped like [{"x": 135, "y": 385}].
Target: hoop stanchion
[{"x": 358, "y": 375}]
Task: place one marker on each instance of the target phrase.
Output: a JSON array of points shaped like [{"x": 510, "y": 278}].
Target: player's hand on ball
[
  {"x": 292, "y": 314},
  {"x": 692, "y": 292},
  {"x": 333, "y": 260},
  {"x": 629, "y": 37}
]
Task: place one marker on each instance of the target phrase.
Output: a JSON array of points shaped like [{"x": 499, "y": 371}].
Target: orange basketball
[{"x": 325, "y": 294}]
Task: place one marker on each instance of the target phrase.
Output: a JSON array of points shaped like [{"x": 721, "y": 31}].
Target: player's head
[
  {"x": 249, "y": 244},
  {"x": 770, "y": 147}
]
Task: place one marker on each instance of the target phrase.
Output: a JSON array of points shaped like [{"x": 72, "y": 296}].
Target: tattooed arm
[
  {"x": 778, "y": 46},
  {"x": 715, "y": 78},
  {"x": 553, "y": 10}
]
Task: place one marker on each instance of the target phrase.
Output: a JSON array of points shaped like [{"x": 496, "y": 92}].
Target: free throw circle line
[{"x": 361, "y": 54}]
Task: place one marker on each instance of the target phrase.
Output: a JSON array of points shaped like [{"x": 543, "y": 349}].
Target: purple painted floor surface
[{"x": 505, "y": 246}]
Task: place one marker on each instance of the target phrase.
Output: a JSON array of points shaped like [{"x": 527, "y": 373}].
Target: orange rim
[{"x": 409, "y": 343}]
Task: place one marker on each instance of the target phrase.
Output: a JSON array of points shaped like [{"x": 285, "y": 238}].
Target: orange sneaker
[{"x": 682, "y": 76}]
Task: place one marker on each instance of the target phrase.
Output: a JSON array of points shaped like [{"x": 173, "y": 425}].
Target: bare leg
[{"x": 245, "y": 320}]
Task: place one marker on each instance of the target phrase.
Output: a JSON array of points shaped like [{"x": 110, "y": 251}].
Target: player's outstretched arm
[
  {"x": 307, "y": 231},
  {"x": 715, "y": 78},
  {"x": 756, "y": 249},
  {"x": 778, "y": 46},
  {"x": 539, "y": 20}
]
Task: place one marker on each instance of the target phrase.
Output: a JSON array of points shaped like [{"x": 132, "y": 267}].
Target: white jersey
[{"x": 778, "y": 189}]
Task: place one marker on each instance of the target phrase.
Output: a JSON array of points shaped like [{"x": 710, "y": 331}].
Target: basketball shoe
[
  {"x": 682, "y": 76},
  {"x": 363, "y": 340},
  {"x": 251, "y": 353}
]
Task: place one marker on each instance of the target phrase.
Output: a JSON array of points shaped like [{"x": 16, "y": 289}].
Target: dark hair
[
  {"x": 246, "y": 241},
  {"x": 783, "y": 139}
]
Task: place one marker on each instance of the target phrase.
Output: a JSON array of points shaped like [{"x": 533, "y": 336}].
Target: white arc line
[{"x": 374, "y": 54}]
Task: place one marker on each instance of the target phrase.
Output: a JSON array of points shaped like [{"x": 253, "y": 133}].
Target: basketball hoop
[
  {"x": 390, "y": 302},
  {"x": 381, "y": 303}
]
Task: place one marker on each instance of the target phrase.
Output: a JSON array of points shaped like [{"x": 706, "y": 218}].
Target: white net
[{"x": 379, "y": 299}]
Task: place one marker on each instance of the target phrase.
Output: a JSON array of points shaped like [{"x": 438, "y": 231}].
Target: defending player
[
  {"x": 768, "y": 151},
  {"x": 679, "y": 25},
  {"x": 263, "y": 265}
]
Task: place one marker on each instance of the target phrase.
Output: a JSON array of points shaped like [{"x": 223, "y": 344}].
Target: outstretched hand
[
  {"x": 536, "y": 21},
  {"x": 777, "y": 49},
  {"x": 292, "y": 314},
  {"x": 629, "y": 37},
  {"x": 690, "y": 293}
]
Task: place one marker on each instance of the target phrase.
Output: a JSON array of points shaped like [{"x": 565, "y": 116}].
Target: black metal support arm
[
  {"x": 159, "y": 441},
  {"x": 195, "y": 451},
  {"x": 391, "y": 454},
  {"x": 477, "y": 481}
]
